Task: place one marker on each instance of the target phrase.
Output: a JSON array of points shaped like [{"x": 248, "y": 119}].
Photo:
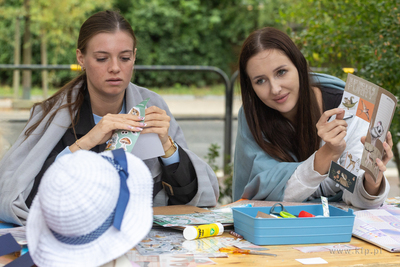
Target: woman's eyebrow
[
  {"x": 101, "y": 52},
  {"x": 105, "y": 52},
  {"x": 258, "y": 76},
  {"x": 262, "y": 75},
  {"x": 281, "y": 66}
]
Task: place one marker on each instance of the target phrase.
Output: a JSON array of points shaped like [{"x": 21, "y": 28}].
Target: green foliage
[
  {"x": 212, "y": 156},
  {"x": 58, "y": 20},
  {"x": 226, "y": 190},
  {"x": 190, "y": 32},
  {"x": 176, "y": 32},
  {"x": 225, "y": 182},
  {"x": 363, "y": 34}
]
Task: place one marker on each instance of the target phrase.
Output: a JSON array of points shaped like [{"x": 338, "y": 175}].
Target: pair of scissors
[
  {"x": 233, "y": 250},
  {"x": 283, "y": 213}
]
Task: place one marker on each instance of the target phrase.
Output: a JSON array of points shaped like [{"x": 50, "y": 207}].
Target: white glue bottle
[{"x": 205, "y": 230}]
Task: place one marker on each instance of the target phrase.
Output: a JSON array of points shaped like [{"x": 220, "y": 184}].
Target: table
[{"x": 368, "y": 255}]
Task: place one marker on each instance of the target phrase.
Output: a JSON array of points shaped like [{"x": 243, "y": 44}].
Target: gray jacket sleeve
[{"x": 23, "y": 161}]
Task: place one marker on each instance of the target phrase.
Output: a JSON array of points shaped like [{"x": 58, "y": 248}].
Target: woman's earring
[{"x": 83, "y": 68}]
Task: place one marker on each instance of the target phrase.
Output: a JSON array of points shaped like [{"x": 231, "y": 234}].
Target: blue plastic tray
[{"x": 284, "y": 231}]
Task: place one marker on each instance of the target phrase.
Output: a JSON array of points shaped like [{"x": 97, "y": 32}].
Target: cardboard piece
[
  {"x": 376, "y": 106},
  {"x": 264, "y": 215},
  {"x": 8, "y": 245},
  {"x": 342, "y": 176},
  {"x": 22, "y": 261}
]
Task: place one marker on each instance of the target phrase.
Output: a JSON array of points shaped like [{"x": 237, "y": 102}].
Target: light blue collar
[{"x": 98, "y": 118}]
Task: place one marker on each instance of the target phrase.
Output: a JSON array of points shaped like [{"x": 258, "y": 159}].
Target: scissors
[
  {"x": 283, "y": 213},
  {"x": 233, "y": 250}
]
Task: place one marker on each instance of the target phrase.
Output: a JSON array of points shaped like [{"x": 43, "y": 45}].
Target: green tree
[
  {"x": 363, "y": 34},
  {"x": 191, "y": 32},
  {"x": 56, "y": 22},
  {"x": 176, "y": 32},
  {"x": 56, "y": 25}
]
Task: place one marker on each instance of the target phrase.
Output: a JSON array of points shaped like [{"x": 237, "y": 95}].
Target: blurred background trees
[{"x": 176, "y": 32}]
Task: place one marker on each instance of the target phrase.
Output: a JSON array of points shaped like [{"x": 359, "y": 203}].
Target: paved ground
[{"x": 186, "y": 107}]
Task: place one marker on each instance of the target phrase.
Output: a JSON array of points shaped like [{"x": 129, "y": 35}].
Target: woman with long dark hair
[
  {"x": 83, "y": 115},
  {"x": 290, "y": 129}
]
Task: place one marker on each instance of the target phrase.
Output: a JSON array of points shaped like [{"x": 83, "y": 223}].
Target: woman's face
[
  {"x": 109, "y": 61},
  {"x": 275, "y": 80}
]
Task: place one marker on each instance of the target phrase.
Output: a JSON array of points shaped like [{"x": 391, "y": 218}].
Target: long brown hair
[
  {"x": 271, "y": 130},
  {"x": 101, "y": 22}
]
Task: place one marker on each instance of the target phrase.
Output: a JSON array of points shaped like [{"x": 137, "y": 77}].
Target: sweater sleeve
[
  {"x": 179, "y": 180},
  {"x": 50, "y": 159},
  {"x": 304, "y": 180},
  {"x": 256, "y": 174}
]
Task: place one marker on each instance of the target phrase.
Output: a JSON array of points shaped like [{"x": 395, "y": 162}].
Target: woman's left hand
[
  {"x": 370, "y": 185},
  {"x": 157, "y": 121}
]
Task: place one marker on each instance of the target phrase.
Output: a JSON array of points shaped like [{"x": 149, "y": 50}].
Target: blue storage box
[{"x": 284, "y": 231}]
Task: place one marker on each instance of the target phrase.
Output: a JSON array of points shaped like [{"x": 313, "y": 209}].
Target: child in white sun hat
[{"x": 90, "y": 209}]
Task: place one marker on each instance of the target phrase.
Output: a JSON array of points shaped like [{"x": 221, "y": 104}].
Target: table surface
[{"x": 367, "y": 255}]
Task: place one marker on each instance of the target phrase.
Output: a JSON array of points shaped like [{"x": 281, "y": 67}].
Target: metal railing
[
  {"x": 228, "y": 91},
  {"x": 228, "y": 82}
]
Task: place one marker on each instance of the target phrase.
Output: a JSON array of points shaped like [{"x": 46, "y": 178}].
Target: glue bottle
[{"x": 205, "y": 230}]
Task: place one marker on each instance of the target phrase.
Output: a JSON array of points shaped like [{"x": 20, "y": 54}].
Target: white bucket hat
[{"x": 73, "y": 218}]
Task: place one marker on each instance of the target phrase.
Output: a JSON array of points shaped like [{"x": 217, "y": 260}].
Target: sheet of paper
[
  {"x": 177, "y": 209},
  {"x": 148, "y": 261},
  {"x": 379, "y": 226},
  {"x": 148, "y": 146},
  {"x": 193, "y": 218},
  {"x": 312, "y": 261},
  {"x": 167, "y": 241},
  {"x": 177, "y": 260},
  {"x": 19, "y": 233},
  {"x": 201, "y": 260}
]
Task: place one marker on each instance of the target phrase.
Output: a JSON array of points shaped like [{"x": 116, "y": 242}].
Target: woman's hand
[
  {"x": 103, "y": 130},
  {"x": 157, "y": 121},
  {"x": 370, "y": 185},
  {"x": 333, "y": 134}
]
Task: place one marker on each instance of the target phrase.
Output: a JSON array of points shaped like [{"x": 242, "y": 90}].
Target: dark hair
[
  {"x": 101, "y": 22},
  {"x": 271, "y": 130}
]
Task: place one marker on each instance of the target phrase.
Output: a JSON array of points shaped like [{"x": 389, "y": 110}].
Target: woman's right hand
[
  {"x": 103, "y": 130},
  {"x": 333, "y": 134}
]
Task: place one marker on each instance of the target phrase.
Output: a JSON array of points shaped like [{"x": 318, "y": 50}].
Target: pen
[
  {"x": 243, "y": 251},
  {"x": 349, "y": 117},
  {"x": 235, "y": 234}
]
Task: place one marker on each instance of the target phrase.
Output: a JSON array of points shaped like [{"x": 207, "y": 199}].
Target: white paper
[
  {"x": 380, "y": 227},
  {"x": 19, "y": 234},
  {"x": 148, "y": 146},
  {"x": 312, "y": 261}
]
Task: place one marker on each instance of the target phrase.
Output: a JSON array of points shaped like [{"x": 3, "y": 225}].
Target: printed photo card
[{"x": 376, "y": 106}]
